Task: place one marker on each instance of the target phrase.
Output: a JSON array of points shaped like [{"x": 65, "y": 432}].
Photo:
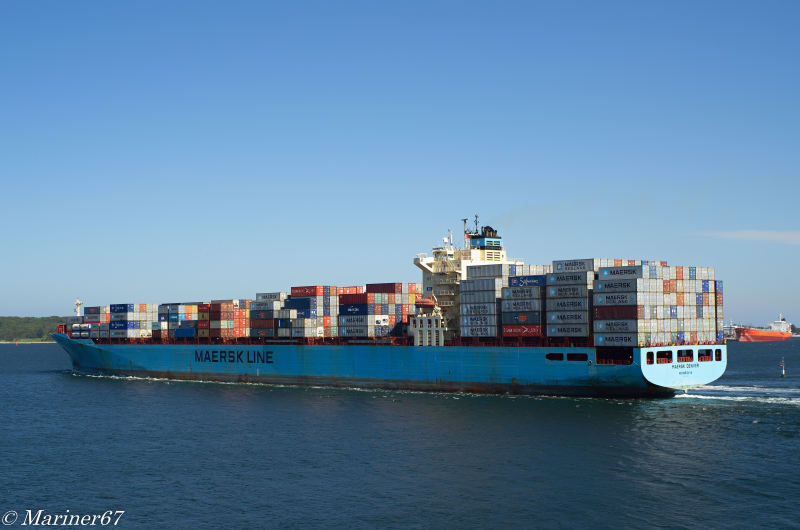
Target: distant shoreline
[{"x": 27, "y": 342}]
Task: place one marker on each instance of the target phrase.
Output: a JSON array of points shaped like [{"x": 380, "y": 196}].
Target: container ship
[
  {"x": 779, "y": 330},
  {"x": 477, "y": 322}
]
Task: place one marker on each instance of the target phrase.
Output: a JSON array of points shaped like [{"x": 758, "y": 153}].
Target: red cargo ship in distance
[{"x": 778, "y": 330}]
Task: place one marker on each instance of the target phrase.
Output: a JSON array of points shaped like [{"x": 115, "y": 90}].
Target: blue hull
[{"x": 444, "y": 369}]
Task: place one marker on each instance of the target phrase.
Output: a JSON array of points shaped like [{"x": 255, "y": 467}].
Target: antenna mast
[{"x": 78, "y": 305}]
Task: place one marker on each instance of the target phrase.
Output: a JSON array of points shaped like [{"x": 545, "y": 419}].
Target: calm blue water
[{"x": 184, "y": 454}]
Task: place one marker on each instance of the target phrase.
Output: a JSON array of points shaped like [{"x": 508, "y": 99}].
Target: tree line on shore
[{"x": 28, "y": 328}]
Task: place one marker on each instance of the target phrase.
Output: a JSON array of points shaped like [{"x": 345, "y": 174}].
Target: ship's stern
[{"x": 683, "y": 367}]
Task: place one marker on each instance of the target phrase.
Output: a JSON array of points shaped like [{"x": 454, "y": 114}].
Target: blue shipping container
[
  {"x": 284, "y": 322},
  {"x": 121, "y": 308},
  {"x": 699, "y": 311},
  {"x": 673, "y": 311},
  {"x": 354, "y": 309},
  {"x": 698, "y": 299},
  {"x": 718, "y": 286},
  {"x": 173, "y": 317},
  {"x": 680, "y": 337},
  {"x": 705, "y": 286},
  {"x": 118, "y": 324},
  {"x": 163, "y": 317},
  {"x": 692, "y": 273},
  {"x": 526, "y": 281},
  {"x": 185, "y": 333}
]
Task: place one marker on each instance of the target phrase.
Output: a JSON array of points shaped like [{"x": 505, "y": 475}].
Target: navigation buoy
[{"x": 783, "y": 367}]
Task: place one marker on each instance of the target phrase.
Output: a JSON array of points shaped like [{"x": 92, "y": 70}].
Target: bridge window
[
  {"x": 554, "y": 356},
  {"x": 650, "y": 357},
  {"x": 704, "y": 355},
  {"x": 664, "y": 357},
  {"x": 717, "y": 355},
  {"x": 685, "y": 356},
  {"x": 577, "y": 357}
]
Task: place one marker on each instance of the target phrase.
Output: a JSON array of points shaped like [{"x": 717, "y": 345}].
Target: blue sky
[{"x": 161, "y": 151}]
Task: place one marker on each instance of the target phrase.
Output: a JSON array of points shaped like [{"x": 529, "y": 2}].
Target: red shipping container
[
  {"x": 405, "y": 309},
  {"x": 705, "y": 299},
  {"x": 214, "y": 332},
  {"x": 663, "y": 263},
  {"x": 517, "y": 330},
  {"x": 679, "y": 298},
  {"x": 392, "y": 320},
  {"x": 404, "y": 319},
  {"x": 370, "y": 298},
  {"x": 203, "y": 324},
  {"x": 203, "y": 308},
  {"x": 412, "y": 288},
  {"x": 355, "y": 298},
  {"x": 215, "y": 315},
  {"x": 307, "y": 290},
  {"x": 326, "y": 321},
  {"x": 678, "y": 273},
  {"x": 157, "y": 334},
  {"x": 617, "y": 312},
  {"x": 396, "y": 288},
  {"x": 693, "y": 337},
  {"x": 718, "y": 298},
  {"x": 666, "y": 286},
  {"x": 334, "y": 290},
  {"x": 618, "y": 263}
]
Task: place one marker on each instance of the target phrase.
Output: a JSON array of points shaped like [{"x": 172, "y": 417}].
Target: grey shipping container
[
  {"x": 522, "y": 292},
  {"x": 479, "y": 331},
  {"x": 479, "y": 309},
  {"x": 567, "y": 304},
  {"x": 568, "y": 317},
  {"x": 570, "y": 278},
  {"x": 520, "y": 305},
  {"x": 616, "y": 326},
  {"x": 575, "y": 265},
  {"x": 567, "y": 291},
  {"x": 567, "y": 330},
  {"x": 479, "y": 320}
]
